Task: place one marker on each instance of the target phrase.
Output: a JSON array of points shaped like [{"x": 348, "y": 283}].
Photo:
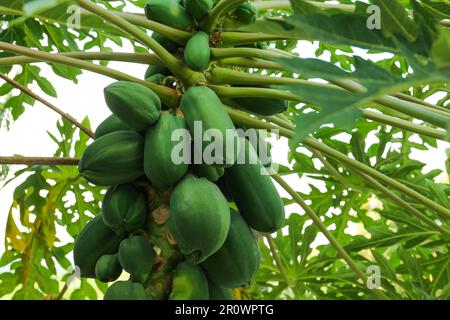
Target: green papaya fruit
[
  {"x": 125, "y": 290},
  {"x": 189, "y": 283},
  {"x": 133, "y": 103},
  {"x": 253, "y": 191},
  {"x": 107, "y": 268},
  {"x": 262, "y": 106},
  {"x": 258, "y": 141},
  {"x": 166, "y": 43},
  {"x": 197, "y": 52},
  {"x": 199, "y": 219},
  {"x": 169, "y": 12},
  {"x": 205, "y": 113},
  {"x": 246, "y": 13},
  {"x": 160, "y": 167},
  {"x": 94, "y": 241},
  {"x": 124, "y": 208},
  {"x": 235, "y": 263},
  {"x": 157, "y": 78},
  {"x": 136, "y": 257},
  {"x": 110, "y": 124},
  {"x": 221, "y": 183},
  {"x": 198, "y": 9},
  {"x": 209, "y": 172},
  {"x": 154, "y": 69},
  {"x": 216, "y": 292},
  {"x": 113, "y": 159}
]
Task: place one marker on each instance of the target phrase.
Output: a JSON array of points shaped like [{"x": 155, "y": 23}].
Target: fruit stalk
[{"x": 220, "y": 9}]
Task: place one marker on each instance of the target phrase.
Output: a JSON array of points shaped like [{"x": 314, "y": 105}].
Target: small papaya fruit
[
  {"x": 133, "y": 103},
  {"x": 113, "y": 159},
  {"x": 156, "y": 69},
  {"x": 235, "y": 263},
  {"x": 199, "y": 219},
  {"x": 110, "y": 124},
  {"x": 125, "y": 290},
  {"x": 198, "y": 9},
  {"x": 189, "y": 283},
  {"x": 136, "y": 257},
  {"x": 216, "y": 292},
  {"x": 197, "y": 52},
  {"x": 246, "y": 13},
  {"x": 253, "y": 191},
  {"x": 160, "y": 167},
  {"x": 205, "y": 114},
  {"x": 94, "y": 241},
  {"x": 157, "y": 78},
  {"x": 124, "y": 208},
  {"x": 169, "y": 12},
  {"x": 107, "y": 268},
  {"x": 209, "y": 172}
]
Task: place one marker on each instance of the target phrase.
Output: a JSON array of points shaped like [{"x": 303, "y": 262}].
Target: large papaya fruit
[
  {"x": 125, "y": 290},
  {"x": 107, "y": 268},
  {"x": 209, "y": 172},
  {"x": 257, "y": 139},
  {"x": 197, "y": 52},
  {"x": 262, "y": 106},
  {"x": 246, "y": 13},
  {"x": 205, "y": 113},
  {"x": 224, "y": 188},
  {"x": 124, "y": 208},
  {"x": 189, "y": 283},
  {"x": 133, "y": 103},
  {"x": 216, "y": 292},
  {"x": 198, "y": 9},
  {"x": 115, "y": 158},
  {"x": 235, "y": 263},
  {"x": 254, "y": 193},
  {"x": 166, "y": 43},
  {"x": 136, "y": 257},
  {"x": 110, "y": 124},
  {"x": 169, "y": 12},
  {"x": 94, "y": 241},
  {"x": 199, "y": 219},
  {"x": 159, "y": 165}
]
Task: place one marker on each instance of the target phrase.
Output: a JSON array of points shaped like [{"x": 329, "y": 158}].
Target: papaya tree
[{"x": 144, "y": 224}]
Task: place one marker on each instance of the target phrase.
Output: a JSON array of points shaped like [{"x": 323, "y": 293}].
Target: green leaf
[{"x": 440, "y": 51}]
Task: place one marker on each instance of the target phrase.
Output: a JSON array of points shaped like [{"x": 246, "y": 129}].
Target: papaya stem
[
  {"x": 220, "y": 9},
  {"x": 30, "y": 93},
  {"x": 230, "y": 38},
  {"x": 249, "y": 63},
  {"x": 19, "y": 160},
  {"x": 144, "y": 58},
  {"x": 312, "y": 215},
  {"x": 242, "y": 118},
  {"x": 167, "y": 95},
  {"x": 277, "y": 259},
  {"x": 220, "y": 53},
  {"x": 186, "y": 75},
  {"x": 285, "y": 4}
]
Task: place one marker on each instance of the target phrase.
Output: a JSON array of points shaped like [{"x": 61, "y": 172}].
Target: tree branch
[
  {"x": 277, "y": 259},
  {"x": 67, "y": 116}
]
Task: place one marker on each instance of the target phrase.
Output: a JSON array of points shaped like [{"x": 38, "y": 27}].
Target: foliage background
[{"x": 51, "y": 204}]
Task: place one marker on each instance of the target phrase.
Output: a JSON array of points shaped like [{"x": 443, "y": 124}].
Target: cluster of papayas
[{"x": 135, "y": 147}]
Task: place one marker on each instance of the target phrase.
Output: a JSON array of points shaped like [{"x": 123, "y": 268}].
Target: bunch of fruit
[{"x": 170, "y": 225}]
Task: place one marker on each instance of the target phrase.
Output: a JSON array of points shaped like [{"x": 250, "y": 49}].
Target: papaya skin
[
  {"x": 197, "y": 52},
  {"x": 189, "y": 283}
]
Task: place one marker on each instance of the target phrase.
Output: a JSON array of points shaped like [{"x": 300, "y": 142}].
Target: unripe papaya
[
  {"x": 133, "y": 103},
  {"x": 124, "y": 208},
  {"x": 94, "y": 241},
  {"x": 198, "y": 9},
  {"x": 166, "y": 43},
  {"x": 113, "y": 159},
  {"x": 199, "y": 219},
  {"x": 237, "y": 260},
  {"x": 216, "y": 292},
  {"x": 168, "y": 12},
  {"x": 205, "y": 113},
  {"x": 107, "y": 268},
  {"x": 257, "y": 138},
  {"x": 156, "y": 69},
  {"x": 125, "y": 290},
  {"x": 253, "y": 191},
  {"x": 136, "y": 257},
  {"x": 262, "y": 106},
  {"x": 209, "y": 172},
  {"x": 157, "y": 78},
  {"x": 189, "y": 283},
  {"x": 224, "y": 188},
  {"x": 246, "y": 13},
  {"x": 110, "y": 124},
  {"x": 159, "y": 166},
  {"x": 197, "y": 52}
]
